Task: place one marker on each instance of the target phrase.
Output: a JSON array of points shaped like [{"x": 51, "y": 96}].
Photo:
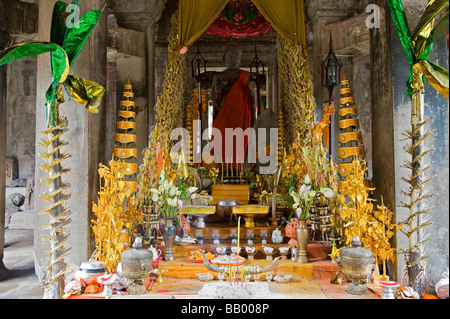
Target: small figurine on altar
[{"x": 276, "y": 236}]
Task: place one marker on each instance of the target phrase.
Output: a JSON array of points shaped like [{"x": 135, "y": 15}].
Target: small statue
[
  {"x": 276, "y": 236},
  {"x": 30, "y": 191}
]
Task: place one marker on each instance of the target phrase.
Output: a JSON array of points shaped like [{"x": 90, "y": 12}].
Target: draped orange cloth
[{"x": 235, "y": 113}]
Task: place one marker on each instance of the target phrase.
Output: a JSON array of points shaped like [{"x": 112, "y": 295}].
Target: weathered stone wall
[
  {"x": 21, "y": 24},
  {"x": 20, "y": 113},
  {"x": 17, "y": 93}
]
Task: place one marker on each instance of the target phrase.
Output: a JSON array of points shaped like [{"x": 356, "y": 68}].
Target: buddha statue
[
  {"x": 223, "y": 82},
  {"x": 234, "y": 96}
]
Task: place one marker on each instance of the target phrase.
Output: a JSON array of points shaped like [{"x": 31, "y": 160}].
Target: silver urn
[
  {"x": 136, "y": 266},
  {"x": 357, "y": 264}
]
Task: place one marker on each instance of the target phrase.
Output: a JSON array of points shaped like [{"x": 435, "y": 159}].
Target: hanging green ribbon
[
  {"x": 417, "y": 46},
  {"x": 64, "y": 47}
]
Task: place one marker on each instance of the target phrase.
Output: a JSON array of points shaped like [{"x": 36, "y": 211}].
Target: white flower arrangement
[
  {"x": 304, "y": 198},
  {"x": 167, "y": 197}
]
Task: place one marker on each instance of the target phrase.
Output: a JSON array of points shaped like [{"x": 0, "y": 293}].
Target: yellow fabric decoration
[
  {"x": 194, "y": 18},
  {"x": 287, "y": 17},
  {"x": 438, "y": 80}
]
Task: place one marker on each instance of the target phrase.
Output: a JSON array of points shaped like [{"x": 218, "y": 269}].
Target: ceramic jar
[{"x": 90, "y": 271}]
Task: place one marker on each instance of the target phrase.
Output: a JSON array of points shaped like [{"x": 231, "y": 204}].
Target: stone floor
[
  {"x": 24, "y": 284},
  {"x": 19, "y": 259}
]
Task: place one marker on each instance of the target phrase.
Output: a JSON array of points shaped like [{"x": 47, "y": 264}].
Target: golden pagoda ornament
[
  {"x": 350, "y": 138},
  {"x": 191, "y": 116},
  {"x": 125, "y": 139}
]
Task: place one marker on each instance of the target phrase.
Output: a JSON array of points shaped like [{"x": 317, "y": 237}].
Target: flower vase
[
  {"x": 168, "y": 233},
  {"x": 302, "y": 235}
]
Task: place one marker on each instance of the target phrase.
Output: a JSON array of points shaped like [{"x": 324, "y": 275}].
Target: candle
[
  {"x": 237, "y": 257},
  {"x": 239, "y": 233}
]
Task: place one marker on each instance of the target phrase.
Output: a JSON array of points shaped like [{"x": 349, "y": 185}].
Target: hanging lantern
[
  {"x": 198, "y": 72},
  {"x": 331, "y": 77},
  {"x": 255, "y": 68},
  {"x": 198, "y": 64},
  {"x": 331, "y": 71}
]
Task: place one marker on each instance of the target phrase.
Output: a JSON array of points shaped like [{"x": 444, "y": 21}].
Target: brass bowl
[
  {"x": 250, "y": 212},
  {"x": 224, "y": 206},
  {"x": 159, "y": 272}
]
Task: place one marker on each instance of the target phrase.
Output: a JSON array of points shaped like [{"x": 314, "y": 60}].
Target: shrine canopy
[{"x": 221, "y": 17}]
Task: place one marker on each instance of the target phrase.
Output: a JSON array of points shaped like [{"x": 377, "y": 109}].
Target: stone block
[
  {"x": 22, "y": 220},
  {"x": 11, "y": 170}
]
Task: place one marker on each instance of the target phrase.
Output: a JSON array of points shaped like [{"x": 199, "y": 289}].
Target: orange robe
[{"x": 235, "y": 112}]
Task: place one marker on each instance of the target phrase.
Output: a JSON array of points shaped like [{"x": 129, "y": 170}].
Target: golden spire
[
  {"x": 125, "y": 139},
  {"x": 182, "y": 168}
]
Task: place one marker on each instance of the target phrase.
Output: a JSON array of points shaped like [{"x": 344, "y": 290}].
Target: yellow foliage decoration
[
  {"x": 373, "y": 227},
  {"x": 111, "y": 217},
  {"x": 296, "y": 95}
]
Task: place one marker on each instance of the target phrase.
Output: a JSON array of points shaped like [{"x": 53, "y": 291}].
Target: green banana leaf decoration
[
  {"x": 417, "y": 48},
  {"x": 64, "y": 46}
]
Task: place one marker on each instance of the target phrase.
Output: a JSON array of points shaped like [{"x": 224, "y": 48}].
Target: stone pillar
[
  {"x": 3, "y": 43},
  {"x": 383, "y": 162},
  {"x": 150, "y": 36},
  {"x": 143, "y": 16},
  {"x": 4, "y": 273},
  {"x": 150, "y": 32},
  {"x": 84, "y": 138}
]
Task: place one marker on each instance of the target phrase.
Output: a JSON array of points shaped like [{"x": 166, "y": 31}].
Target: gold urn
[{"x": 357, "y": 264}]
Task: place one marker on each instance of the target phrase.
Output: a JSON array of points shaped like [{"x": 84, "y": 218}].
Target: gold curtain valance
[
  {"x": 194, "y": 18},
  {"x": 287, "y": 17}
]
